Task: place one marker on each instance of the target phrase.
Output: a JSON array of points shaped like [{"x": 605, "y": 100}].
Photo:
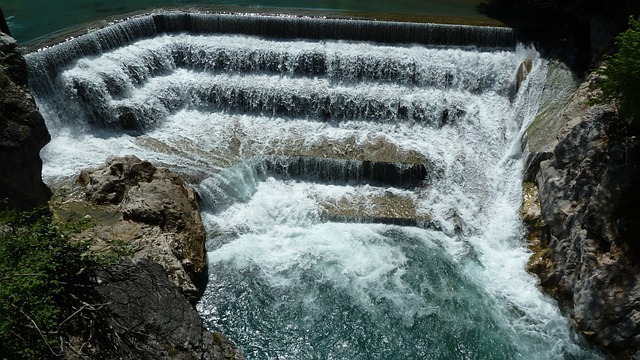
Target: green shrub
[
  {"x": 622, "y": 74},
  {"x": 40, "y": 270}
]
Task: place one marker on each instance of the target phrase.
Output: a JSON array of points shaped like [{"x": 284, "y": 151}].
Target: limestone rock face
[
  {"x": 591, "y": 207},
  {"x": 149, "y": 209},
  {"x": 146, "y": 303},
  {"x": 22, "y": 134},
  {"x": 148, "y": 318}
]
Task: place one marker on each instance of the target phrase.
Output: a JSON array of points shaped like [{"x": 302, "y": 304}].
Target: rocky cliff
[
  {"x": 146, "y": 317},
  {"x": 147, "y": 301},
  {"x": 582, "y": 208},
  {"x": 140, "y": 307},
  {"x": 22, "y": 135},
  {"x": 150, "y": 210}
]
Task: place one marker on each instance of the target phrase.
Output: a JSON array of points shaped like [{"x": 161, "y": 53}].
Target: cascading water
[{"x": 286, "y": 125}]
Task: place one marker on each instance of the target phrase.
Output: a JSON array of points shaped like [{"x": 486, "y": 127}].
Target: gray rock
[
  {"x": 148, "y": 318},
  {"x": 142, "y": 308},
  {"x": 151, "y": 210},
  {"x": 22, "y": 135},
  {"x": 7, "y": 43},
  {"x": 591, "y": 207}
]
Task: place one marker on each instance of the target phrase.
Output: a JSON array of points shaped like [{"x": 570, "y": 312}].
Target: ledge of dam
[{"x": 363, "y": 176}]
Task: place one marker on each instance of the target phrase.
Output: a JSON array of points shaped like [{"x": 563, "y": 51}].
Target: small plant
[
  {"x": 42, "y": 271},
  {"x": 621, "y": 74}
]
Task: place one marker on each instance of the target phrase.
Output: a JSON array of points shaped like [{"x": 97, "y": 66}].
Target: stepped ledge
[
  {"x": 580, "y": 205},
  {"x": 149, "y": 208}
]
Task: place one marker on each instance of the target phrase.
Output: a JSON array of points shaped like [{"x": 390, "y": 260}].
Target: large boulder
[
  {"x": 149, "y": 210},
  {"x": 146, "y": 317},
  {"x": 22, "y": 135},
  {"x": 142, "y": 306},
  {"x": 588, "y": 224}
]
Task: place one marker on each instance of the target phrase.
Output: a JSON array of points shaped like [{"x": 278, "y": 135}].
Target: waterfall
[
  {"x": 141, "y": 27},
  {"x": 360, "y": 180}
]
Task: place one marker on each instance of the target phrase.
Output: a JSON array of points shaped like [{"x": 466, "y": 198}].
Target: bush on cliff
[
  {"x": 43, "y": 275},
  {"x": 621, "y": 74}
]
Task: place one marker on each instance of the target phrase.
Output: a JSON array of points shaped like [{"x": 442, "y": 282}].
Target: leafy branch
[
  {"x": 621, "y": 74},
  {"x": 45, "y": 288}
]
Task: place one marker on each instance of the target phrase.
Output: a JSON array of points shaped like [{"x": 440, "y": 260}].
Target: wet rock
[
  {"x": 589, "y": 202},
  {"x": 22, "y": 135},
  {"x": 145, "y": 304},
  {"x": 388, "y": 208},
  {"x": 149, "y": 209},
  {"x": 148, "y": 318},
  {"x": 523, "y": 71},
  {"x": 13, "y": 63},
  {"x": 540, "y": 262}
]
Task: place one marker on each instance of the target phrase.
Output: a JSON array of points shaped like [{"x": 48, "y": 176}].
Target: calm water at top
[{"x": 33, "y": 20}]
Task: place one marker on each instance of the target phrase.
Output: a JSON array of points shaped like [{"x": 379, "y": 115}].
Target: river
[{"x": 303, "y": 138}]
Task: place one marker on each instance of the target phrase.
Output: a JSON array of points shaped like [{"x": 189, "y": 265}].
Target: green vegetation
[
  {"x": 44, "y": 278},
  {"x": 621, "y": 73}
]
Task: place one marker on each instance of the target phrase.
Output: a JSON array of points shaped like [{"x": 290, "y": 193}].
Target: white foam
[
  {"x": 355, "y": 259},
  {"x": 275, "y": 226}
]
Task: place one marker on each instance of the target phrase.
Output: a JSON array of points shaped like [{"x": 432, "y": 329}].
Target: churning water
[{"x": 313, "y": 144}]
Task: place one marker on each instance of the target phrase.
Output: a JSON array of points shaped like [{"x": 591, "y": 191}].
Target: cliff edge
[
  {"x": 148, "y": 299},
  {"x": 22, "y": 135},
  {"x": 582, "y": 209}
]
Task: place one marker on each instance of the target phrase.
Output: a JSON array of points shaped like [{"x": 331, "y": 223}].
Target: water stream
[{"x": 284, "y": 134}]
